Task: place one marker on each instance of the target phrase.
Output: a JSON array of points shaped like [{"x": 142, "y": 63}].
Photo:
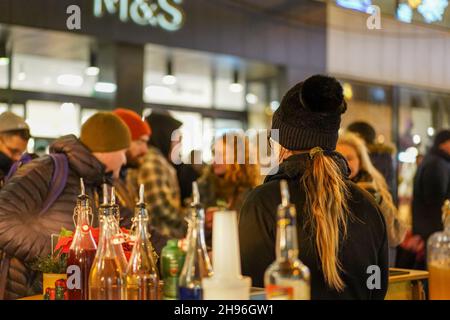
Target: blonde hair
[
  {"x": 326, "y": 204},
  {"x": 379, "y": 183},
  {"x": 241, "y": 174}
]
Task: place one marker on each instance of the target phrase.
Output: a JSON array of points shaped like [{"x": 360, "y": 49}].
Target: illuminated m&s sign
[{"x": 166, "y": 14}]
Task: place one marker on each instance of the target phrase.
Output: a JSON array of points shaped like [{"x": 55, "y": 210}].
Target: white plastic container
[{"x": 227, "y": 282}]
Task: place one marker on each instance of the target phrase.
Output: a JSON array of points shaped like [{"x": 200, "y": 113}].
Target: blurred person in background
[
  {"x": 366, "y": 176},
  {"x": 14, "y": 136},
  {"x": 128, "y": 190},
  {"x": 127, "y": 194},
  {"x": 195, "y": 158},
  {"x": 158, "y": 174},
  {"x": 34, "y": 205},
  {"x": 381, "y": 155},
  {"x": 341, "y": 230},
  {"x": 432, "y": 187},
  {"x": 226, "y": 182},
  {"x": 167, "y": 138}
]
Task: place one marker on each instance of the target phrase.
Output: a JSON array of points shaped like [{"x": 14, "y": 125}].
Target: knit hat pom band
[{"x": 309, "y": 115}]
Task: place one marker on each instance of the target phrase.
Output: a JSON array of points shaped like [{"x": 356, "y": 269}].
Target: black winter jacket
[
  {"x": 431, "y": 189},
  {"x": 23, "y": 234},
  {"x": 366, "y": 243}
]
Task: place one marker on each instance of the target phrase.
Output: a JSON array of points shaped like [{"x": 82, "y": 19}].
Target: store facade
[
  {"x": 229, "y": 62},
  {"x": 221, "y": 65}
]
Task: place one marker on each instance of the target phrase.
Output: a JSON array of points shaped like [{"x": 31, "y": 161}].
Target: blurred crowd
[{"x": 328, "y": 175}]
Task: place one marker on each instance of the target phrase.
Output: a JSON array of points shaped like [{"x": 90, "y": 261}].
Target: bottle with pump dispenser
[
  {"x": 287, "y": 278},
  {"x": 142, "y": 277},
  {"x": 197, "y": 265},
  {"x": 106, "y": 279},
  {"x": 82, "y": 250}
]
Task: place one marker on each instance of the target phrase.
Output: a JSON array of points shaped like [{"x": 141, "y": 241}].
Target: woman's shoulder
[{"x": 263, "y": 197}]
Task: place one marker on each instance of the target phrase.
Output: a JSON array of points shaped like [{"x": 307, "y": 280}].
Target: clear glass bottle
[
  {"x": 142, "y": 277},
  {"x": 119, "y": 237},
  {"x": 106, "y": 279},
  {"x": 82, "y": 250},
  {"x": 287, "y": 278},
  {"x": 438, "y": 260},
  {"x": 197, "y": 264}
]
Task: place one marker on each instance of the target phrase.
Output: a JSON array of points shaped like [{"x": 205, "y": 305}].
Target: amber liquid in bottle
[
  {"x": 439, "y": 282},
  {"x": 82, "y": 251},
  {"x": 438, "y": 251},
  {"x": 142, "y": 273},
  {"x": 106, "y": 280}
]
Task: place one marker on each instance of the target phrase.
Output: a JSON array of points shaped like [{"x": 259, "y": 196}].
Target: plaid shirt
[{"x": 162, "y": 193}]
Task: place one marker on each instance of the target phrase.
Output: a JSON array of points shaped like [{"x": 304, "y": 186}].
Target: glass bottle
[
  {"x": 438, "y": 251},
  {"x": 106, "y": 280},
  {"x": 172, "y": 261},
  {"x": 82, "y": 250},
  {"x": 287, "y": 278},
  {"x": 197, "y": 264},
  {"x": 118, "y": 238},
  {"x": 142, "y": 274}
]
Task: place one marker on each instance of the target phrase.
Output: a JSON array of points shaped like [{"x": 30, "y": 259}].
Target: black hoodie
[
  {"x": 163, "y": 126},
  {"x": 366, "y": 243}
]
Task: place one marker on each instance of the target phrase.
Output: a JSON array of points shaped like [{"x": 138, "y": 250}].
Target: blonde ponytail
[{"x": 326, "y": 204}]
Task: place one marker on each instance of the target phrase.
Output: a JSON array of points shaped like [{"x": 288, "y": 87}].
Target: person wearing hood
[
  {"x": 14, "y": 136},
  {"x": 167, "y": 138},
  {"x": 341, "y": 231},
  {"x": 25, "y": 230},
  {"x": 159, "y": 176}
]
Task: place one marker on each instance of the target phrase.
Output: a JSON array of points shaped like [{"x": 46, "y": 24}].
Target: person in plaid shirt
[{"x": 162, "y": 192}]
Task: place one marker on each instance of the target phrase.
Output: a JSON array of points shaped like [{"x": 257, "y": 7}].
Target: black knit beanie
[{"x": 310, "y": 114}]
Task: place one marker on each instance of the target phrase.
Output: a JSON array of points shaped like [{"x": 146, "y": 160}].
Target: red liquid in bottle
[{"x": 84, "y": 259}]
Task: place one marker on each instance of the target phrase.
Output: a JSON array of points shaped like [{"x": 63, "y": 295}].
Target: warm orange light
[
  {"x": 414, "y": 3},
  {"x": 348, "y": 91}
]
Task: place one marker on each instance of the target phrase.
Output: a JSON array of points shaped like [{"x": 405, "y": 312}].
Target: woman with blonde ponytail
[{"x": 341, "y": 231}]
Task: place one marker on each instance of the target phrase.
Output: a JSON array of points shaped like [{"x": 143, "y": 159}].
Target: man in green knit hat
[{"x": 28, "y": 219}]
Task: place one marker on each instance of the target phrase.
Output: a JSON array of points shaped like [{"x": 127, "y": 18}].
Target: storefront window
[
  {"x": 87, "y": 113},
  {"x": 3, "y": 75},
  {"x": 15, "y": 108},
  {"x": 49, "y": 119},
  {"x": 51, "y": 74},
  {"x": 369, "y": 103},
  {"x": 229, "y": 92},
  {"x": 180, "y": 77},
  {"x": 223, "y": 126},
  {"x": 191, "y": 130},
  {"x": 422, "y": 115}
]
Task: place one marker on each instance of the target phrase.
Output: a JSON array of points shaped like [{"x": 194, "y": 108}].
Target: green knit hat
[{"x": 105, "y": 132}]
